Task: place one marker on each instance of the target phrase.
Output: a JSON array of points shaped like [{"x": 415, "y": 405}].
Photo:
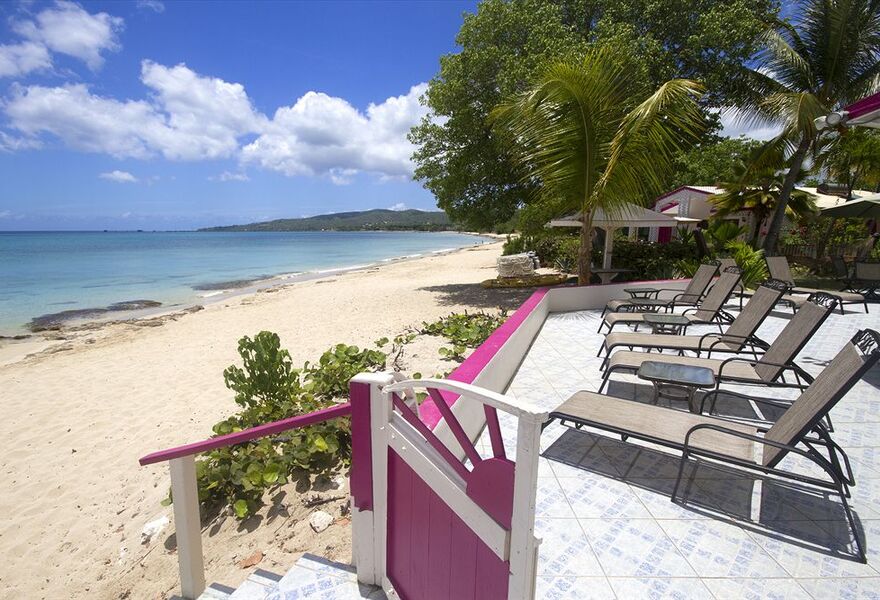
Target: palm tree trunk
[
  {"x": 797, "y": 160},
  {"x": 586, "y": 248}
]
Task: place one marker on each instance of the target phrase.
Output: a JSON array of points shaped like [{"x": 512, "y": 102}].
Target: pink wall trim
[{"x": 476, "y": 362}]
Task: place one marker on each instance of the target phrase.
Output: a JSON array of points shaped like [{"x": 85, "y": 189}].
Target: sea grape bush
[
  {"x": 268, "y": 388},
  {"x": 464, "y": 330}
]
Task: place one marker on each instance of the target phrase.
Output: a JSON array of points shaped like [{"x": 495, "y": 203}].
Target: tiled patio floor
[{"x": 610, "y": 530}]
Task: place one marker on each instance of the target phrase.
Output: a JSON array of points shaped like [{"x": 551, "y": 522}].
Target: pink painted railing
[
  {"x": 248, "y": 435},
  {"x": 184, "y": 487}
]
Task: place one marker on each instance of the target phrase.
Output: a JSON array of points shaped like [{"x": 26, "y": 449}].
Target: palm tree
[
  {"x": 594, "y": 137},
  {"x": 756, "y": 187},
  {"x": 826, "y": 58}
]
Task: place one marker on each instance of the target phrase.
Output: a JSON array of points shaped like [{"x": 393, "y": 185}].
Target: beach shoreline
[
  {"x": 83, "y": 409},
  {"x": 18, "y": 345},
  {"x": 44, "y": 294}
]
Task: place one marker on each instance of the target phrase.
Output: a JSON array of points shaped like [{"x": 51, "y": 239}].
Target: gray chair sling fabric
[
  {"x": 780, "y": 269},
  {"x": 709, "y": 309},
  {"x": 740, "y": 444},
  {"x": 739, "y": 334},
  {"x": 691, "y": 295},
  {"x": 766, "y": 370}
]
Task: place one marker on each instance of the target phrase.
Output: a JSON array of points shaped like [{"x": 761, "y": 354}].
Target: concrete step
[{"x": 312, "y": 577}]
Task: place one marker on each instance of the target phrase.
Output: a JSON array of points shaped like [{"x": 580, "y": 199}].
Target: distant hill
[{"x": 378, "y": 219}]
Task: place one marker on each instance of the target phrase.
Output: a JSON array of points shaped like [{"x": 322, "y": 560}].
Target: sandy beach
[{"x": 82, "y": 408}]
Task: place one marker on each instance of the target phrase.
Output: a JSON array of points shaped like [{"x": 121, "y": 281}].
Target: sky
[{"x": 177, "y": 115}]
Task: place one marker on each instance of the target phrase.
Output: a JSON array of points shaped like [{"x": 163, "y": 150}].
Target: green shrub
[
  {"x": 649, "y": 260},
  {"x": 464, "y": 330},
  {"x": 751, "y": 261},
  {"x": 268, "y": 388}
]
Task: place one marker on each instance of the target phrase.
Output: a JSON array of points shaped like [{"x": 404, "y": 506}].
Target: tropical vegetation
[
  {"x": 507, "y": 45},
  {"x": 826, "y": 56},
  {"x": 593, "y": 135},
  {"x": 756, "y": 186}
]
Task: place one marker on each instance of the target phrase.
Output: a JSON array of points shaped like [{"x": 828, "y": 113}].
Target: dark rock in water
[
  {"x": 21, "y": 336},
  {"x": 134, "y": 305},
  {"x": 229, "y": 285},
  {"x": 53, "y": 321}
]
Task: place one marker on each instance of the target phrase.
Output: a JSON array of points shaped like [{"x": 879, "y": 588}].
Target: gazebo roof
[{"x": 631, "y": 215}]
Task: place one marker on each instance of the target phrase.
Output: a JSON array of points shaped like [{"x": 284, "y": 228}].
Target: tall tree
[
  {"x": 854, "y": 159},
  {"x": 508, "y": 42},
  {"x": 593, "y": 136},
  {"x": 756, "y": 186},
  {"x": 827, "y": 57}
]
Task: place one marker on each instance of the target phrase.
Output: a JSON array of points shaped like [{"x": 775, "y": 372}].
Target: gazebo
[{"x": 629, "y": 216}]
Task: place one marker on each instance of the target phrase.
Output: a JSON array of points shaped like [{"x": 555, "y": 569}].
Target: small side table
[
  {"x": 666, "y": 323},
  {"x": 676, "y": 381},
  {"x": 642, "y": 292}
]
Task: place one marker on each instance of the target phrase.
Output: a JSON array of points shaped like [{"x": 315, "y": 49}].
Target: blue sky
[{"x": 176, "y": 115}]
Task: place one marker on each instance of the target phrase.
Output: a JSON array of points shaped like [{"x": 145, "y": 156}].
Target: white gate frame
[{"x": 389, "y": 430}]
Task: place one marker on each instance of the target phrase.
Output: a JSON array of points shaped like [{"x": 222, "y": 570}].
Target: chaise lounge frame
[{"x": 805, "y": 416}]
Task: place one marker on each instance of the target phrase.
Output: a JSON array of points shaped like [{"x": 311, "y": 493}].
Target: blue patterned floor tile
[
  {"x": 573, "y": 588},
  {"x": 660, "y": 588},
  {"x": 756, "y": 589},
  {"x": 634, "y": 548},
  {"x": 842, "y": 589},
  {"x": 567, "y": 552}
]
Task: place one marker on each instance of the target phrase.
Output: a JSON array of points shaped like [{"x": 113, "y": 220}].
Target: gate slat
[
  {"x": 463, "y": 560},
  {"x": 419, "y": 545},
  {"x": 399, "y": 522},
  {"x": 440, "y": 551}
]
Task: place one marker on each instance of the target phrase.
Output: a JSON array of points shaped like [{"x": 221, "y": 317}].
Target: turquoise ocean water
[{"x": 50, "y": 272}]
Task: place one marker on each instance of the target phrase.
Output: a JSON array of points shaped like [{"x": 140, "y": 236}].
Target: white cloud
[
  {"x": 69, "y": 29},
  {"x": 228, "y": 176},
  {"x": 205, "y": 115},
  {"x": 398, "y": 206},
  {"x": 191, "y": 117},
  {"x": 153, "y": 5},
  {"x": 734, "y": 125},
  {"x": 188, "y": 116},
  {"x": 9, "y": 143},
  {"x": 119, "y": 176},
  {"x": 20, "y": 59},
  {"x": 5, "y": 214},
  {"x": 325, "y": 135}
]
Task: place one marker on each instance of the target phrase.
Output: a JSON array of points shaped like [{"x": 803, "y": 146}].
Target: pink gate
[{"x": 435, "y": 521}]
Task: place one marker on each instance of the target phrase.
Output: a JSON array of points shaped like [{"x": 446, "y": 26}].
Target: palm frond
[{"x": 648, "y": 137}]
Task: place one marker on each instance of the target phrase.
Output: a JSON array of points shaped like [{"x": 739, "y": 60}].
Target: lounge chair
[
  {"x": 739, "y": 334},
  {"x": 779, "y": 269},
  {"x": 738, "y": 443},
  {"x": 709, "y": 309},
  {"x": 866, "y": 277},
  {"x": 691, "y": 295},
  {"x": 768, "y": 370}
]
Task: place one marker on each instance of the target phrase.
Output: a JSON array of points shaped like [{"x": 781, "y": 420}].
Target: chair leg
[
  {"x": 681, "y": 464},
  {"x": 605, "y": 380},
  {"x": 863, "y": 557}
]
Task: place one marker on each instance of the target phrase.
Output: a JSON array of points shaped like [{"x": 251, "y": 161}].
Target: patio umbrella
[{"x": 866, "y": 208}]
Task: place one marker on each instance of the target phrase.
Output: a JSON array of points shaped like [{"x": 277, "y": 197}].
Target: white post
[
  {"x": 188, "y": 526},
  {"x": 609, "y": 243},
  {"x": 523, "y": 545}
]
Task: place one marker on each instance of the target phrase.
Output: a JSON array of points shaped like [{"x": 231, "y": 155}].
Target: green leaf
[{"x": 241, "y": 509}]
